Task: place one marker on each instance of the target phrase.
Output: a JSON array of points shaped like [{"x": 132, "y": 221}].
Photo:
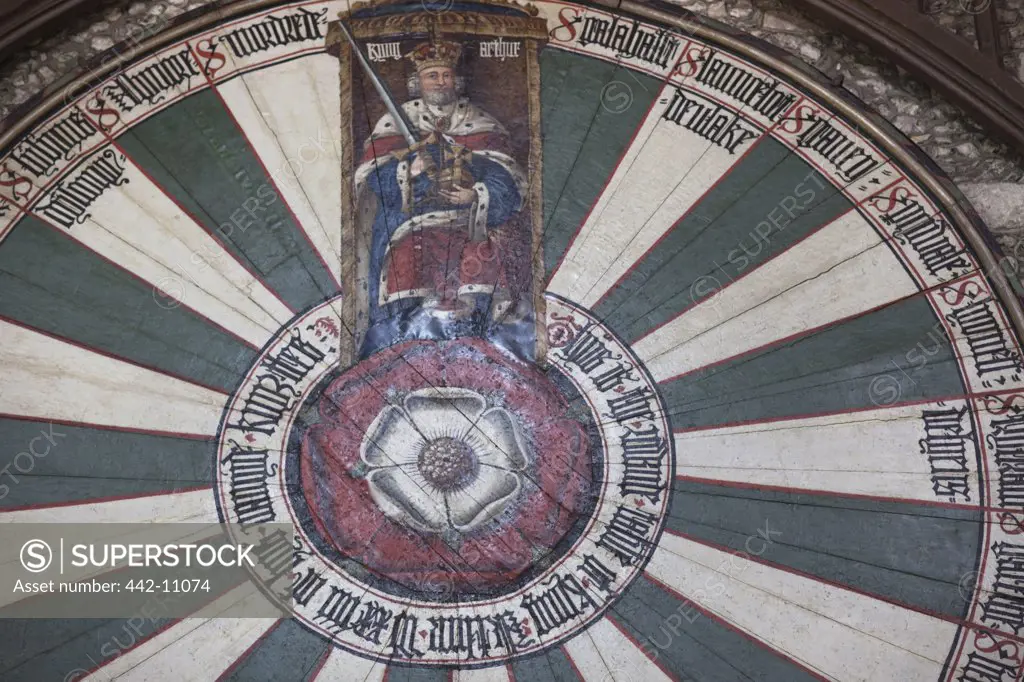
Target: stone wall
[
  {"x": 1012, "y": 22},
  {"x": 62, "y": 56},
  {"x": 990, "y": 173}
]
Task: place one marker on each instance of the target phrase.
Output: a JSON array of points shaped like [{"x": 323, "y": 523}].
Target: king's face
[{"x": 437, "y": 80}]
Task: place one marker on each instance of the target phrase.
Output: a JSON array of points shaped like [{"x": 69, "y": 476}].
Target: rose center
[{"x": 448, "y": 463}]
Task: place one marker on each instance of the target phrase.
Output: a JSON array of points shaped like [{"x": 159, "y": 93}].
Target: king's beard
[{"x": 440, "y": 98}]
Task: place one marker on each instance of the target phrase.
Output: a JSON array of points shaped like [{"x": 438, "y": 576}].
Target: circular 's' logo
[{"x": 36, "y": 556}]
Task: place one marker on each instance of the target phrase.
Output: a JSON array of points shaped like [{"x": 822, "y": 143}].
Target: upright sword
[{"x": 402, "y": 122}]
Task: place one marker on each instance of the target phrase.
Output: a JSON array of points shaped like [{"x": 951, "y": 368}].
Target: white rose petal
[{"x": 492, "y": 454}]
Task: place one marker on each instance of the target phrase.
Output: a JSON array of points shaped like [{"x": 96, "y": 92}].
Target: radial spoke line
[
  {"x": 99, "y": 381},
  {"x": 242, "y": 258},
  {"x": 814, "y": 578},
  {"x": 157, "y": 266},
  {"x": 785, "y": 342},
  {"x": 136, "y": 277},
  {"x": 598, "y": 198},
  {"x": 830, "y": 555},
  {"x": 727, "y": 660},
  {"x": 119, "y": 358},
  {"x": 726, "y": 398},
  {"x": 246, "y": 264},
  {"x": 801, "y": 427},
  {"x": 882, "y": 242},
  {"x": 840, "y": 499},
  {"x": 117, "y": 510},
  {"x": 790, "y": 153},
  {"x": 572, "y": 169},
  {"x": 746, "y": 485},
  {"x": 301, "y": 186},
  {"x": 775, "y": 296},
  {"x": 785, "y": 568},
  {"x": 277, "y": 188},
  {"x": 183, "y": 623},
  {"x": 727, "y": 551},
  {"x": 852, "y": 626},
  {"x": 819, "y": 492},
  {"x": 707, "y": 150}
]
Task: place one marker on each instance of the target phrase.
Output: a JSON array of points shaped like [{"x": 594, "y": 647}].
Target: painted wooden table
[{"x": 570, "y": 343}]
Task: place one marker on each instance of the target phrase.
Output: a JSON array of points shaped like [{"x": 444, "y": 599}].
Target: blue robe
[{"x": 406, "y": 318}]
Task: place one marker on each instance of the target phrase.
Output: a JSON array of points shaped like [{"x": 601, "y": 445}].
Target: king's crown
[{"x": 436, "y": 53}]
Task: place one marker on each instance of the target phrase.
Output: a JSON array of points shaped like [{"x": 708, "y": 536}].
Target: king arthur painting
[{"x": 445, "y": 211}]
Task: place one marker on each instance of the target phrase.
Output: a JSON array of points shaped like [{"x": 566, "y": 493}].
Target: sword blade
[{"x": 402, "y": 122}]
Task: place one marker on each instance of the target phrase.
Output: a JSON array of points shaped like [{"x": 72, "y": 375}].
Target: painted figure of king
[{"x": 446, "y": 243}]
